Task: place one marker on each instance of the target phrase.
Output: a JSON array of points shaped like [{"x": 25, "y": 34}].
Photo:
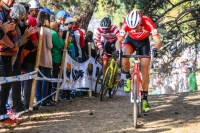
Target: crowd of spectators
[
  {"x": 180, "y": 75},
  {"x": 20, "y": 25}
]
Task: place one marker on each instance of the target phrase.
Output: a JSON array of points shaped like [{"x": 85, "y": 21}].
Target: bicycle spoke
[
  {"x": 103, "y": 92},
  {"x": 98, "y": 83}
]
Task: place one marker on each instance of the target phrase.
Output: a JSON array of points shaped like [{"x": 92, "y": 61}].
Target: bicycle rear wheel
[
  {"x": 98, "y": 82},
  {"x": 135, "y": 104}
]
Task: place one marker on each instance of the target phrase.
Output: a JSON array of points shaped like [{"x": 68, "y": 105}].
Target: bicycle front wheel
[
  {"x": 117, "y": 83},
  {"x": 98, "y": 82},
  {"x": 135, "y": 104},
  {"x": 104, "y": 86}
]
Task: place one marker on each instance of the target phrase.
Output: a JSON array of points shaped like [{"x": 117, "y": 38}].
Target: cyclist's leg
[
  {"x": 108, "y": 48},
  {"x": 105, "y": 60},
  {"x": 127, "y": 49},
  {"x": 145, "y": 62}
]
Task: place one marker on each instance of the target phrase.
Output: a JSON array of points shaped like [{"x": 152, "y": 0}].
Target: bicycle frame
[
  {"x": 136, "y": 72},
  {"x": 136, "y": 97},
  {"x": 113, "y": 67}
]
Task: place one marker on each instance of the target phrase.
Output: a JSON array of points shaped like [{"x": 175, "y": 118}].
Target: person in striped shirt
[{"x": 106, "y": 36}]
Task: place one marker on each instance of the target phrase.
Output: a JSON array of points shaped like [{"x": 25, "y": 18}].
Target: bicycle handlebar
[
  {"x": 135, "y": 56},
  {"x": 132, "y": 56}
]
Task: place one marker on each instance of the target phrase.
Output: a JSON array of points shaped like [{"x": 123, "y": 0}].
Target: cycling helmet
[
  {"x": 133, "y": 19},
  {"x": 105, "y": 22}
]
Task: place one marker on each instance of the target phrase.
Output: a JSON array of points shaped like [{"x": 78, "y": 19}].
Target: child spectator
[
  {"x": 45, "y": 64},
  {"x": 89, "y": 39},
  {"x": 56, "y": 51}
]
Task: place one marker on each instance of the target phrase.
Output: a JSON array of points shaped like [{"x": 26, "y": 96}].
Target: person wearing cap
[
  {"x": 45, "y": 63},
  {"x": 68, "y": 25},
  {"x": 79, "y": 37},
  {"x": 29, "y": 51},
  {"x": 60, "y": 18}
]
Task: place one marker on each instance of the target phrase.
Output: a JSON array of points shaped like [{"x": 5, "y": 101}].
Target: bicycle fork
[
  {"x": 138, "y": 82},
  {"x": 113, "y": 68}
]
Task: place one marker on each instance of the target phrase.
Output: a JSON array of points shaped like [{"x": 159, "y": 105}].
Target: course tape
[{"x": 27, "y": 76}]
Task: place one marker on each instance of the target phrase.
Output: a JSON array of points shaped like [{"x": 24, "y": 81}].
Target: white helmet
[{"x": 133, "y": 19}]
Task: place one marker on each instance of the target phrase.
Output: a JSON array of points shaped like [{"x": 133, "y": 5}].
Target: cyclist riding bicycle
[
  {"x": 106, "y": 36},
  {"x": 139, "y": 28}
]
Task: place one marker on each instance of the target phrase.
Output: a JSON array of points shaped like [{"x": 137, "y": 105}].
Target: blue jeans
[
  {"x": 42, "y": 85},
  {"x": 16, "y": 86}
]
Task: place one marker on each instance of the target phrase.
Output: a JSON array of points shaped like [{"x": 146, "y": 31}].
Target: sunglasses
[
  {"x": 104, "y": 28},
  {"x": 72, "y": 23},
  {"x": 69, "y": 23}
]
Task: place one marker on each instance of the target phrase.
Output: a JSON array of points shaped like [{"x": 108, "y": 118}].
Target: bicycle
[
  {"x": 110, "y": 81},
  {"x": 136, "y": 96}
]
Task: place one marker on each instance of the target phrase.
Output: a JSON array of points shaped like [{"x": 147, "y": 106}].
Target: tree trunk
[{"x": 86, "y": 20}]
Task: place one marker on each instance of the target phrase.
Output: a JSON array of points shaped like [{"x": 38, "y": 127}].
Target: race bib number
[{"x": 122, "y": 33}]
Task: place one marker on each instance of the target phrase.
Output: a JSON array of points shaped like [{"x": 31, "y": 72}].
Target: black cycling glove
[
  {"x": 154, "y": 52},
  {"x": 117, "y": 52}
]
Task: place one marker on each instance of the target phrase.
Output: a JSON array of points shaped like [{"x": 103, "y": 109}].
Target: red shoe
[
  {"x": 10, "y": 122},
  {"x": 10, "y": 111}
]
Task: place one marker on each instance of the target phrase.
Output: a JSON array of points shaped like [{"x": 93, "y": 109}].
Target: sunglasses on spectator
[
  {"x": 72, "y": 23},
  {"x": 69, "y": 23}
]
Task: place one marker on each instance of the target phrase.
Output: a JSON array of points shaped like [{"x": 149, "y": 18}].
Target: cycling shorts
[
  {"x": 143, "y": 46},
  {"x": 109, "y": 47}
]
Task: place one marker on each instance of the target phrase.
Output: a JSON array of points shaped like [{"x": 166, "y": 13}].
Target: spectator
[
  {"x": 84, "y": 33},
  {"x": 68, "y": 25},
  {"x": 17, "y": 12},
  {"x": 79, "y": 37},
  {"x": 29, "y": 51},
  {"x": 61, "y": 16},
  {"x": 84, "y": 50},
  {"x": 45, "y": 64},
  {"x": 192, "y": 82},
  {"x": 72, "y": 50},
  {"x": 58, "y": 44},
  {"x": 6, "y": 53},
  {"x": 89, "y": 39}
]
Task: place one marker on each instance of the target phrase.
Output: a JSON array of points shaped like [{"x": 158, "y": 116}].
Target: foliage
[{"x": 82, "y": 8}]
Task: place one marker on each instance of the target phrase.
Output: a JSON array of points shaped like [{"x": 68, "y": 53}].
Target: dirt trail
[{"x": 179, "y": 113}]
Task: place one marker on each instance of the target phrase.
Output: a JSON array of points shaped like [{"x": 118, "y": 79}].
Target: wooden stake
[
  {"x": 62, "y": 65},
  {"x": 36, "y": 66},
  {"x": 89, "y": 53}
]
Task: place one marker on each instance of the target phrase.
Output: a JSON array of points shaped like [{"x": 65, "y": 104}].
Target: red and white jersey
[
  {"x": 147, "y": 27},
  {"x": 110, "y": 36}
]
